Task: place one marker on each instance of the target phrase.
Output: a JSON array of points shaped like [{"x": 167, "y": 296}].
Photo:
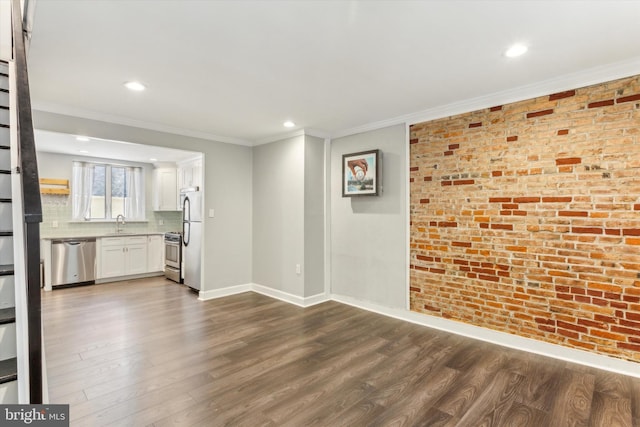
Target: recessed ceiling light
[
  {"x": 82, "y": 138},
  {"x": 515, "y": 50},
  {"x": 137, "y": 86},
  {"x": 83, "y": 151},
  {"x": 153, "y": 160},
  {"x": 288, "y": 124}
]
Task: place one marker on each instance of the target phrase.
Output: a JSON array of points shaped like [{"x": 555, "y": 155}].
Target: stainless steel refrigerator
[{"x": 191, "y": 236}]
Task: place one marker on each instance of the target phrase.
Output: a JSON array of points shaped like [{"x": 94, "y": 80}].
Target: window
[{"x": 103, "y": 191}]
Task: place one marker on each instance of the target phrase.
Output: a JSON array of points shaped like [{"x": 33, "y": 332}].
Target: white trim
[
  {"x": 224, "y": 292},
  {"x": 327, "y": 216},
  {"x": 407, "y": 218},
  {"x": 317, "y": 133},
  {"x": 20, "y": 273},
  {"x": 500, "y": 338},
  {"x": 290, "y": 298},
  {"x": 266, "y": 291},
  {"x": 278, "y": 137},
  {"x": 575, "y": 80},
  {"x": 282, "y": 136},
  {"x": 109, "y": 118}
]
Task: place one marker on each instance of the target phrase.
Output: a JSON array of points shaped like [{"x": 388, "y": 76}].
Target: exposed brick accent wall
[{"x": 525, "y": 218}]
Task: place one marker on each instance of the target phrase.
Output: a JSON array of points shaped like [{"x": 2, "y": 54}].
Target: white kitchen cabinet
[
  {"x": 123, "y": 256},
  {"x": 190, "y": 174},
  {"x": 165, "y": 189},
  {"x": 155, "y": 253}
]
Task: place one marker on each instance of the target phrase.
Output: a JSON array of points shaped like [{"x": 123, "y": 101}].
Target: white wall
[
  {"x": 227, "y": 185},
  {"x": 368, "y": 234},
  {"x": 278, "y": 214},
  {"x": 314, "y": 178}
]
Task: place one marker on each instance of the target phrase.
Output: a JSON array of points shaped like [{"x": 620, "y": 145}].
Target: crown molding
[
  {"x": 300, "y": 132},
  {"x": 583, "y": 78},
  {"x": 93, "y": 115}
]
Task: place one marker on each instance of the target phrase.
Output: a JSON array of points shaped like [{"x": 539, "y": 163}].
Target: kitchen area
[{"x": 115, "y": 211}]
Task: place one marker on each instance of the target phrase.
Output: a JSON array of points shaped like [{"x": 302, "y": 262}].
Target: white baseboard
[
  {"x": 500, "y": 338},
  {"x": 290, "y": 298},
  {"x": 224, "y": 292},
  {"x": 264, "y": 290}
]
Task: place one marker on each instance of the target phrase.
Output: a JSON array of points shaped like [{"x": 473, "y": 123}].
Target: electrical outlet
[
  {"x": 211, "y": 213},
  {"x": 298, "y": 270},
  {"x": 54, "y": 224},
  {"x": 160, "y": 222}
]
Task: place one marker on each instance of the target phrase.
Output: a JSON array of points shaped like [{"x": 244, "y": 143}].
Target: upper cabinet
[
  {"x": 190, "y": 174},
  {"x": 165, "y": 189}
]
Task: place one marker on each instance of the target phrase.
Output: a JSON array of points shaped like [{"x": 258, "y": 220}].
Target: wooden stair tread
[
  {"x": 7, "y": 315},
  {"x": 6, "y": 270},
  {"x": 8, "y": 370}
]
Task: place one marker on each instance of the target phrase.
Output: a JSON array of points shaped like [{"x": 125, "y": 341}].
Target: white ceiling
[
  {"x": 62, "y": 143},
  {"x": 235, "y": 70}
]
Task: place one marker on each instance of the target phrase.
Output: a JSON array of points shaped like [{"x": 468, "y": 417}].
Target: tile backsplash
[{"x": 57, "y": 208}]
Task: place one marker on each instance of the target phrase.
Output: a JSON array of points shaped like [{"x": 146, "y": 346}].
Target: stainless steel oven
[{"x": 173, "y": 256}]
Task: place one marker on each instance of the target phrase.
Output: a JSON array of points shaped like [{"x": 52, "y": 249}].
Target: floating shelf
[{"x": 54, "y": 186}]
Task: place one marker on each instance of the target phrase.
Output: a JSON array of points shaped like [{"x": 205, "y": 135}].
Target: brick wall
[{"x": 525, "y": 218}]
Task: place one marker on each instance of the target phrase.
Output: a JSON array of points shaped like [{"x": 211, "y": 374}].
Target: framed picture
[{"x": 361, "y": 174}]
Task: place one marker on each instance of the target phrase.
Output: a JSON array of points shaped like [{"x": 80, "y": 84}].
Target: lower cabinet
[
  {"x": 123, "y": 256},
  {"x": 155, "y": 253}
]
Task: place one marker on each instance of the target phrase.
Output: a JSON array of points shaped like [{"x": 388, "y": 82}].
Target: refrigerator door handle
[{"x": 186, "y": 217}]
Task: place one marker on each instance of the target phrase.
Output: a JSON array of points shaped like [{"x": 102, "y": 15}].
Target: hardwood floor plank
[
  {"x": 574, "y": 397},
  {"x": 147, "y": 352},
  {"x": 610, "y": 411}
]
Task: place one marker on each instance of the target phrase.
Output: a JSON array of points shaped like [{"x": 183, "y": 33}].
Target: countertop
[{"x": 98, "y": 236}]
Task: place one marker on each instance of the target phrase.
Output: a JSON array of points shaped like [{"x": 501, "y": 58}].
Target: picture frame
[{"x": 361, "y": 173}]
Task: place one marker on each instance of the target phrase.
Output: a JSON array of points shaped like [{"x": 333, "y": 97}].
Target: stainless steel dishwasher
[{"x": 73, "y": 261}]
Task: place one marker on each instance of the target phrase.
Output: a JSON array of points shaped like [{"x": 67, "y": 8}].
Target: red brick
[
  {"x": 571, "y": 326},
  {"x": 526, "y": 199},
  {"x": 499, "y": 199},
  {"x": 499, "y": 173},
  {"x": 424, "y": 258},
  {"x": 475, "y": 125},
  {"x": 586, "y": 230},
  {"x": 563, "y": 132},
  {"x": 573, "y": 213},
  {"x": 428, "y": 178},
  {"x": 631, "y": 232},
  {"x": 629, "y": 98},
  {"x": 539, "y": 113},
  {"x": 423, "y": 201},
  {"x": 502, "y": 226},
  {"x": 448, "y": 153},
  {"x": 447, "y": 224},
  {"x": 414, "y": 168},
  {"x": 496, "y": 108},
  {"x": 563, "y": 199},
  {"x": 561, "y": 95},
  {"x": 512, "y": 138},
  {"x": 414, "y": 141},
  {"x": 454, "y": 146},
  {"x": 464, "y": 182},
  {"x": 461, "y": 244},
  {"x": 568, "y": 161},
  {"x": 606, "y": 103},
  {"x": 627, "y": 346}
]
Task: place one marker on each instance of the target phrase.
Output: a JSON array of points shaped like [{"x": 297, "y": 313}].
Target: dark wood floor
[{"x": 147, "y": 352}]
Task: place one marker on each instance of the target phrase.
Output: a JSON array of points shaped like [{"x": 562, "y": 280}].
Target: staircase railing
[{"x": 31, "y": 203}]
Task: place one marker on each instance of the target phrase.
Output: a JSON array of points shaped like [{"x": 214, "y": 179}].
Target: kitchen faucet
[{"x": 119, "y": 223}]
